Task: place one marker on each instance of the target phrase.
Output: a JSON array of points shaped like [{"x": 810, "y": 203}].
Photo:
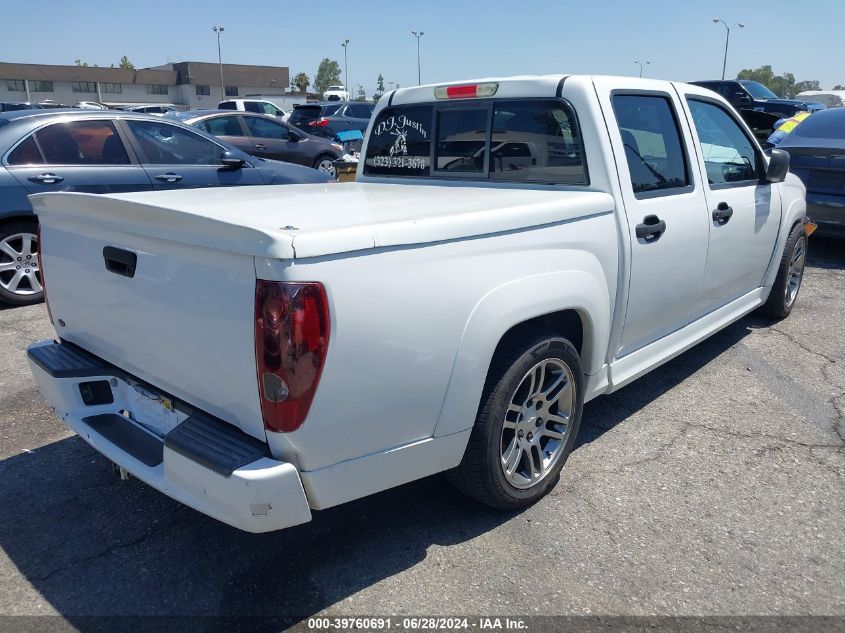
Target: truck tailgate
[{"x": 182, "y": 320}]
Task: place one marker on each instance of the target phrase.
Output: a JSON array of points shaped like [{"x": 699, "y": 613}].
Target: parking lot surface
[{"x": 713, "y": 485}]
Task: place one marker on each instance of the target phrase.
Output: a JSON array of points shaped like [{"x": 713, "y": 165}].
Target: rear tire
[
  {"x": 526, "y": 425},
  {"x": 20, "y": 278},
  {"x": 784, "y": 292}
]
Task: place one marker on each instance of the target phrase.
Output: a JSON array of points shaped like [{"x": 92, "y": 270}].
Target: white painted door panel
[{"x": 666, "y": 271}]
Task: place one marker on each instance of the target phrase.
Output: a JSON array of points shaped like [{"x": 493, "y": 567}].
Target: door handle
[
  {"x": 722, "y": 214},
  {"x": 651, "y": 228},
  {"x": 169, "y": 177},
  {"x": 47, "y": 179},
  {"x": 260, "y": 146}
]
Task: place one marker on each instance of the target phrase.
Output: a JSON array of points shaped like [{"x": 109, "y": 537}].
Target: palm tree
[{"x": 302, "y": 82}]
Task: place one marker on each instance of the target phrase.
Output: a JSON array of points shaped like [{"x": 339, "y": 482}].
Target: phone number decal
[{"x": 399, "y": 162}]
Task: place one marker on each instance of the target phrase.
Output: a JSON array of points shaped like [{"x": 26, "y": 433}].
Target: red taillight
[
  {"x": 319, "y": 122},
  {"x": 41, "y": 270},
  {"x": 291, "y": 339}
]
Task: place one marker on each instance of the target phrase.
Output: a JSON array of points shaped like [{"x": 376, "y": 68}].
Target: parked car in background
[
  {"x": 817, "y": 156},
  {"x": 336, "y": 93},
  {"x": 329, "y": 118},
  {"x": 106, "y": 152},
  {"x": 154, "y": 108},
  {"x": 91, "y": 105},
  {"x": 265, "y": 136},
  {"x": 13, "y": 106},
  {"x": 259, "y": 106},
  {"x": 50, "y": 103},
  {"x": 752, "y": 95},
  {"x": 828, "y": 98}
]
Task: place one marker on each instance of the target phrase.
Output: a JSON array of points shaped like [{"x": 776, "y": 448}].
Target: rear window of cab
[{"x": 513, "y": 140}]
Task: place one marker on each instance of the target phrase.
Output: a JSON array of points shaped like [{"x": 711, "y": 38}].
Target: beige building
[{"x": 188, "y": 84}]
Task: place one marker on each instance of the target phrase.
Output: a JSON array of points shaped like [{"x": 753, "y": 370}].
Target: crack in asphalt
[
  {"x": 109, "y": 550},
  {"x": 802, "y": 345}
]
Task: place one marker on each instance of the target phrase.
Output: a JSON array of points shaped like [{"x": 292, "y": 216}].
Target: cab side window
[
  {"x": 729, "y": 155},
  {"x": 652, "y": 142}
]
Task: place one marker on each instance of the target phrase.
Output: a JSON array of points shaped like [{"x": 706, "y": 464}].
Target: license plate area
[{"x": 150, "y": 408}]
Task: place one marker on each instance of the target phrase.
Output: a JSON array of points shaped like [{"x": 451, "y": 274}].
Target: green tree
[
  {"x": 125, "y": 63},
  {"x": 783, "y": 85},
  {"x": 328, "y": 74},
  {"x": 79, "y": 62},
  {"x": 839, "y": 87},
  {"x": 362, "y": 95},
  {"x": 302, "y": 81}
]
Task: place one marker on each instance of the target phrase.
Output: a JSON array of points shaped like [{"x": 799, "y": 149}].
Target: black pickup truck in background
[
  {"x": 744, "y": 94},
  {"x": 759, "y": 106}
]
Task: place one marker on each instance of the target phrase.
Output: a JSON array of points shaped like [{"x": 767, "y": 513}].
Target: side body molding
[{"x": 583, "y": 290}]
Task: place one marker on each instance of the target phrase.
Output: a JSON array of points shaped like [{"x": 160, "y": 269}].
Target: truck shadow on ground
[{"x": 92, "y": 545}]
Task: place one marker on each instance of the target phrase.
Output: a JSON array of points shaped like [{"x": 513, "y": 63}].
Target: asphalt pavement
[{"x": 712, "y": 486}]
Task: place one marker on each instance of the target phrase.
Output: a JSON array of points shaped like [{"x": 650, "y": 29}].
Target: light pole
[
  {"x": 219, "y": 30},
  {"x": 418, "y": 35},
  {"x": 345, "y": 44},
  {"x": 727, "y": 40},
  {"x": 640, "y": 64}
]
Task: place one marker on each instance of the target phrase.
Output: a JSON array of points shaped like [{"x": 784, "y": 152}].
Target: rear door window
[
  {"x": 81, "y": 143},
  {"x": 222, "y": 126},
  {"x": 652, "y": 142},
  {"x": 264, "y": 128}
]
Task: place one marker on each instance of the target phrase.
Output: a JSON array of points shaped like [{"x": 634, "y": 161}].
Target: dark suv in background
[
  {"x": 744, "y": 94},
  {"x": 328, "y": 118}
]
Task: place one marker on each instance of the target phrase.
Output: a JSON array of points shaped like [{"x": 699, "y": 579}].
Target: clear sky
[{"x": 463, "y": 38}]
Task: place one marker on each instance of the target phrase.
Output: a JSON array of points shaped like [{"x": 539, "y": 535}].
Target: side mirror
[
  {"x": 293, "y": 136},
  {"x": 230, "y": 159},
  {"x": 741, "y": 97},
  {"x": 778, "y": 166}
]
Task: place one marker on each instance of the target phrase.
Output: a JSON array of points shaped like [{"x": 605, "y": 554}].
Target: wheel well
[
  {"x": 567, "y": 324},
  {"x": 19, "y": 217}
]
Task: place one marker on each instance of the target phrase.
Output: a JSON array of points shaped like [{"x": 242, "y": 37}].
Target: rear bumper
[
  {"x": 204, "y": 463},
  {"x": 829, "y": 212}
]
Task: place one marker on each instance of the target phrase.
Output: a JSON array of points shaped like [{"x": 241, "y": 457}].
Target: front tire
[
  {"x": 325, "y": 164},
  {"x": 784, "y": 292},
  {"x": 20, "y": 278},
  {"x": 526, "y": 425}
]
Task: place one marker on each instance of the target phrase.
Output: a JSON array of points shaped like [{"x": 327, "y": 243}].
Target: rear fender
[{"x": 509, "y": 305}]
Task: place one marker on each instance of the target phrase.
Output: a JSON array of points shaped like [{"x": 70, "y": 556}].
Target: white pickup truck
[{"x": 512, "y": 248}]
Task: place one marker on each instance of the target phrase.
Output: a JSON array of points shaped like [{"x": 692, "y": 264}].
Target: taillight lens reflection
[{"x": 291, "y": 339}]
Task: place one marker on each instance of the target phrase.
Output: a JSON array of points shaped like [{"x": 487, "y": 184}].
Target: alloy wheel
[
  {"x": 19, "y": 272},
  {"x": 796, "y": 270},
  {"x": 537, "y": 423}
]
